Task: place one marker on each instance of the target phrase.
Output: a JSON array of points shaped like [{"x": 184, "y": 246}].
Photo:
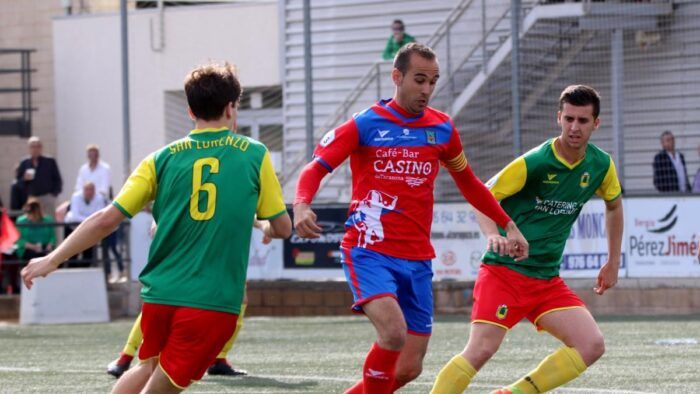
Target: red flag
[{"x": 8, "y": 232}]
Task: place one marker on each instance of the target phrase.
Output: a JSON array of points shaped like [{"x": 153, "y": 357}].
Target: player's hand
[
  {"x": 263, "y": 225},
  {"x": 38, "y": 267},
  {"x": 518, "y": 247},
  {"x": 497, "y": 243},
  {"x": 305, "y": 221},
  {"x": 607, "y": 277}
]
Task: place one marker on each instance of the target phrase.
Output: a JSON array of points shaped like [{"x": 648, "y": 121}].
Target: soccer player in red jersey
[{"x": 395, "y": 148}]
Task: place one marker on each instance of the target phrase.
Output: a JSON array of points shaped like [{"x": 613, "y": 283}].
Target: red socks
[
  {"x": 378, "y": 372},
  {"x": 358, "y": 388}
]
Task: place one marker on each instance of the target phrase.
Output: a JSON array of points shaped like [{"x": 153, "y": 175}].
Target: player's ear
[
  {"x": 191, "y": 114},
  {"x": 396, "y": 76},
  {"x": 596, "y": 123},
  {"x": 559, "y": 118}
]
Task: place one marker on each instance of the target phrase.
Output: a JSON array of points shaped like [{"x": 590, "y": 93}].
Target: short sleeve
[
  {"x": 610, "y": 189},
  {"x": 270, "y": 200},
  {"x": 337, "y": 144},
  {"x": 139, "y": 189},
  {"x": 509, "y": 180}
]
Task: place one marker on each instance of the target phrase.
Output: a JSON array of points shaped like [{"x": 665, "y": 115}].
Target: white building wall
[{"x": 88, "y": 72}]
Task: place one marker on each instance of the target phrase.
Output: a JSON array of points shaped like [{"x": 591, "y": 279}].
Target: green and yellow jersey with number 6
[
  {"x": 544, "y": 194},
  {"x": 207, "y": 188}
]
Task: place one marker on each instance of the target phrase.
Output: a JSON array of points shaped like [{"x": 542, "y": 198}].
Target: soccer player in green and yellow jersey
[
  {"x": 543, "y": 191},
  {"x": 207, "y": 189}
]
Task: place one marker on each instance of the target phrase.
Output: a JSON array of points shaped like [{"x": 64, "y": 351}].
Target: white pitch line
[
  {"x": 321, "y": 378},
  {"x": 430, "y": 384}
]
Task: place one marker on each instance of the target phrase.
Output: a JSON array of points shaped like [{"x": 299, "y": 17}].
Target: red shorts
[
  {"x": 186, "y": 339},
  {"x": 504, "y": 297}
]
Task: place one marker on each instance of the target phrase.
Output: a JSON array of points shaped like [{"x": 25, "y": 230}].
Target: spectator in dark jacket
[
  {"x": 670, "y": 173},
  {"x": 38, "y": 176}
]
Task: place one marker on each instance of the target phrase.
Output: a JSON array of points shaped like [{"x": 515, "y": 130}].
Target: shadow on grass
[{"x": 256, "y": 381}]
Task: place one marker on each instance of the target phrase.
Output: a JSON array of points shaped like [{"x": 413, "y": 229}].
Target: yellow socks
[
  {"x": 239, "y": 325},
  {"x": 454, "y": 377},
  {"x": 135, "y": 338},
  {"x": 560, "y": 367}
]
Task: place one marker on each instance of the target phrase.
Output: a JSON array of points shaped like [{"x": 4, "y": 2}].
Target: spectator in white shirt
[
  {"x": 95, "y": 171},
  {"x": 84, "y": 203}
]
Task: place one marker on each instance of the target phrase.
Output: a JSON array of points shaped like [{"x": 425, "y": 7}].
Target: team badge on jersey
[
  {"x": 585, "y": 180},
  {"x": 328, "y": 138},
  {"x": 430, "y": 137},
  {"x": 502, "y": 311}
]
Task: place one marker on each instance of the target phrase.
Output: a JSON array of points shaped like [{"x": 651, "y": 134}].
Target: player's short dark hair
[
  {"x": 398, "y": 22},
  {"x": 580, "y": 96},
  {"x": 665, "y": 133},
  {"x": 403, "y": 57},
  {"x": 210, "y": 88}
]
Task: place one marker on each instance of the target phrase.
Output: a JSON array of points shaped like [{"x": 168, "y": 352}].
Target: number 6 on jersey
[{"x": 207, "y": 187}]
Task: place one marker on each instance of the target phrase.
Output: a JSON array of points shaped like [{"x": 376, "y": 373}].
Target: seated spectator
[
  {"x": 398, "y": 38},
  {"x": 35, "y": 240},
  {"x": 37, "y": 237},
  {"x": 83, "y": 204},
  {"x": 670, "y": 173}
]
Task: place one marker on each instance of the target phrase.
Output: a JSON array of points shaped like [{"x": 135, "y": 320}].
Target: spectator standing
[
  {"x": 95, "y": 171},
  {"x": 38, "y": 176},
  {"x": 669, "y": 167},
  {"x": 398, "y": 38},
  {"x": 696, "y": 181}
]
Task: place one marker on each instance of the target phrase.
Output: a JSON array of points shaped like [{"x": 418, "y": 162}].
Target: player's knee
[
  {"x": 479, "y": 353},
  {"x": 596, "y": 348},
  {"x": 394, "y": 338},
  {"x": 409, "y": 373},
  {"x": 592, "y": 349}
]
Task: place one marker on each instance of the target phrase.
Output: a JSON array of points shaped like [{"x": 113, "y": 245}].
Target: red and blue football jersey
[{"x": 394, "y": 159}]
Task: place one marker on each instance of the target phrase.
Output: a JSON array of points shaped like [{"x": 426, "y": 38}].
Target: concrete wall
[
  {"x": 27, "y": 24},
  {"x": 88, "y": 73}
]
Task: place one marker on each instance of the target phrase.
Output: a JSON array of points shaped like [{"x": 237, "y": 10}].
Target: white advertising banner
[
  {"x": 457, "y": 240},
  {"x": 662, "y": 236},
  {"x": 587, "y": 247},
  {"x": 264, "y": 261}
]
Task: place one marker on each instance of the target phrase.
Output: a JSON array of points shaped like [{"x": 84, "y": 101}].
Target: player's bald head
[{"x": 402, "y": 60}]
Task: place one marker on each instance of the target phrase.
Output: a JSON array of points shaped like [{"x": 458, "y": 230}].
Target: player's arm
[
  {"x": 271, "y": 212},
  {"x": 484, "y": 202},
  {"x": 89, "y": 232},
  {"x": 506, "y": 183},
  {"x": 331, "y": 152},
  {"x": 611, "y": 192},
  {"x": 138, "y": 190}
]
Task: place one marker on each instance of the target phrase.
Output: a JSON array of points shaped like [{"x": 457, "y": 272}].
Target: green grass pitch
[{"x": 325, "y": 354}]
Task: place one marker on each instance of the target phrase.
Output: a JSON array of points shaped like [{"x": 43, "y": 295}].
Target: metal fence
[
  {"x": 99, "y": 256},
  {"x": 643, "y": 57}
]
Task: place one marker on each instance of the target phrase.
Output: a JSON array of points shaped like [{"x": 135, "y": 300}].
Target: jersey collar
[
  {"x": 396, "y": 110},
  {"x": 208, "y": 130},
  {"x": 561, "y": 159}
]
